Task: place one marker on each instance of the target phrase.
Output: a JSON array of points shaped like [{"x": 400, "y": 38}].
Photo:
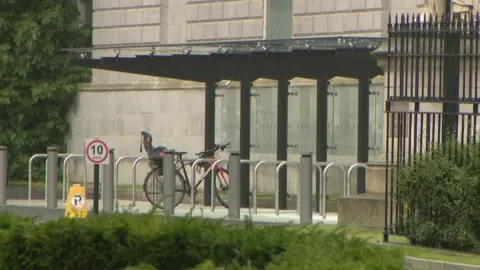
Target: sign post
[{"x": 96, "y": 153}]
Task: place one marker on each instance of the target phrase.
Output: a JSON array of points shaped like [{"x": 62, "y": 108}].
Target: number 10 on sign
[{"x": 96, "y": 151}]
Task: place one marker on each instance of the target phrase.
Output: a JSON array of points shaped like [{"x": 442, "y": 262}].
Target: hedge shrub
[
  {"x": 440, "y": 192},
  {"x": 128, "y": 241}
]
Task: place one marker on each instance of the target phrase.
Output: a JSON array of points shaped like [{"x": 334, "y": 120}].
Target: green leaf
[{"x": 37, "y": 83}]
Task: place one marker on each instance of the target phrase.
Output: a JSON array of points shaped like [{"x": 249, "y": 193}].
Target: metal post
[
  {"x": 451, "y": 85},
  {"x": 96, "y": 189},
  {"x": 245, "y": 107},
  {"x": 305, "y": 192},
  {"x": 209, "y": 132},
  {"x": 282, "y": 139},
  {"x": 108, "y": 183},
  {"x": 52, "y": 175},
  {"x": 3, "y": 175},
  {"x": 362, "y": 135},
  {"x": 321, "y": 145},
  {"x": 169, "y": 182},
  {"x": 234, "y": 186}
]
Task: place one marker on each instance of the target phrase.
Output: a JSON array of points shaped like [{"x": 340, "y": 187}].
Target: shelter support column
[
  {"x": 321, "y": 141},
  {"x": 245, "y": 108},
  {"x": 362, "y": 135},
  {"x": 282, "y": 139},
  {"x": 209, "y": 140}
]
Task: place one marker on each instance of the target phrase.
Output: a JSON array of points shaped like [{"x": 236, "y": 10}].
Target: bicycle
[{"x": 154, "y": 178}]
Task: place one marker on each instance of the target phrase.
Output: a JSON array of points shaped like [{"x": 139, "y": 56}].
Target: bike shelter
[{"x": 318, "y": 59}]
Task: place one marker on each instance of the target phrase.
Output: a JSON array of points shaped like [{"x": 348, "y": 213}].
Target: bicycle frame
[{"x": 204, "y": 175}]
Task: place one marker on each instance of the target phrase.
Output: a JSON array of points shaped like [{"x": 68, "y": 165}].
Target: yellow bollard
[{"x": 76, "y": 205}]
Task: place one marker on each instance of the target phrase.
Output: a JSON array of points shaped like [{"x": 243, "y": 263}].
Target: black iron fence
[{"x": 432, "y": 96}]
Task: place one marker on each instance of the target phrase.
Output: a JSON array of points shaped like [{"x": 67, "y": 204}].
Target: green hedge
[
  {"x": 440, "y": 192},
  {"x": 127, "y": 241}
]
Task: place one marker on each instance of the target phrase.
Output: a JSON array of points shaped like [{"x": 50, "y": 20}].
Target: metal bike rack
[
  {"x": 117, "y": 163},
  {"x": 277, "y": 179},
  {"x": 324, "y": 186},
  {"x": 66, "y": 177},
  {"x": 134, "y": 181},
  {"x": 254, "y": 193},
  {"x": 255, "y": 181},
  {"x": 318, "y": 166},
  {"x": 243, "y": 161},
  {"x": 349, "y": 176},
  {"x": 30, "y": 161},
  {"x": 212, "y": 199},
  {"x": 192, "y": 172}
]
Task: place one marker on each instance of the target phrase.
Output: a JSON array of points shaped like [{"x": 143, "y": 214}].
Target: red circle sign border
[{"x": 88, "y": 147}]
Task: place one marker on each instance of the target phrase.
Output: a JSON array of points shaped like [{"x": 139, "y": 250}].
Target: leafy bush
[
  {"x": 441, "y": 195},
  {"x": 38, "y": 86},
  {"x": 128, "y": 241}
]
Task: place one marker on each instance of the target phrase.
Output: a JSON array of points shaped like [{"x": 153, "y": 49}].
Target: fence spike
[{"x": 396, "y": 18}]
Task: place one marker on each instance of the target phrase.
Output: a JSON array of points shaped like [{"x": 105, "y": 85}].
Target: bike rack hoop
[
  {"x": 193, "y": 175},
  {"x": 117, "y": 165},
  {"x": 277, "y": 179},
  {"x": 349, "y": 176},
  {"x": 134, "y": 181},
  {"x": 66, "y": 177},
  {"x": 255, "y": 180},
  {"x": 30, "y": 180}
]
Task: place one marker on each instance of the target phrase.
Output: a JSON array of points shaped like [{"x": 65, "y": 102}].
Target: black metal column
[
  {"x": 282, "y": 139},
  {"x": 451, "y": 85},
  {"x": 362, "y": 136},
  {"x": 321, "y": 143},
  {"x": 245, "y": 107},
  {"x": 209, "y": 135}
]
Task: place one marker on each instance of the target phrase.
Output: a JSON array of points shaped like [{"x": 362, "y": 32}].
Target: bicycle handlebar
[
  {"x": 222, "y": 146},
  {"x": 216, "y": 148}
]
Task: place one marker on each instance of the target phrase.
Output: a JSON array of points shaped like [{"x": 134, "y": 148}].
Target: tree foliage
[{"x": 37, "y": 83}]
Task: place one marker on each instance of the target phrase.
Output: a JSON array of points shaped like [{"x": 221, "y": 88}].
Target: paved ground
[
  {"x": 18, "y": 192},
  {"x": 264, "y": 216},
  {"x": 17, "y": 203}
]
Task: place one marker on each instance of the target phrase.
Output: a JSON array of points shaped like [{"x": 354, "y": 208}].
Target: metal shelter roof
[{"x": 311, "y": 58}]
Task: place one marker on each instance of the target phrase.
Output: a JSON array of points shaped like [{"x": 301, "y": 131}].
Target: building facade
[{"x": 117, "y": 106}]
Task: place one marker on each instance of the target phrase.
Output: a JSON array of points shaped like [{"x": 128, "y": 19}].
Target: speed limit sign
[{"x": 96, "y": 152}]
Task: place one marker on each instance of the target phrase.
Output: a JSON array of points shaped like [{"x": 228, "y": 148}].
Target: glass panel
[
  {"x": 344, "y": 122},
  {"x": 266, "y": 119},
  {"x": 376, "y": 121},
  {"x": 228, "y": 117},
  {"x": 301, "y": 119}
]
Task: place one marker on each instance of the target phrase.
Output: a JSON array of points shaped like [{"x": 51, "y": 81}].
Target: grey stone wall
[
  {"x": 338, "y": 17},
  {"x": 224, "y": 20}
]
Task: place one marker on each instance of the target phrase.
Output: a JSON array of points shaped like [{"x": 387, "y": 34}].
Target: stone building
[{"x": 117, "y": 106}]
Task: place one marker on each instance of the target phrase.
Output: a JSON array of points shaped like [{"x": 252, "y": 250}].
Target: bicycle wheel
[
  {"x": 153, "y": 187},
  {"x": 221, "y": 186}
]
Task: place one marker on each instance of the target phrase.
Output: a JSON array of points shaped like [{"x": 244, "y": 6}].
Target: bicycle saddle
[{"x": 181, "y": 153}]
